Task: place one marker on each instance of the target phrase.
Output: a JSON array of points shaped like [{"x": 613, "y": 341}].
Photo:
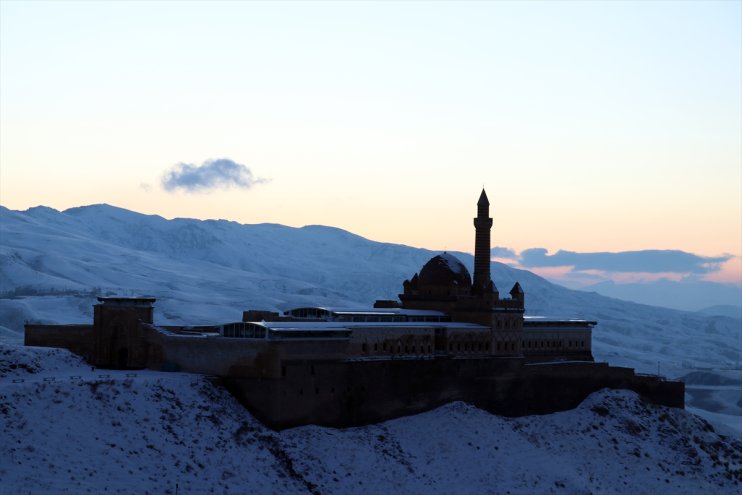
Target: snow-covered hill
[
  {"x": 53, "y": 264},
  {"x": 68, "y": 429}
]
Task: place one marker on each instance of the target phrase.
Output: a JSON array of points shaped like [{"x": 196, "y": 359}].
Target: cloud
[
  {"x": 212, "y": 174},
  {"x": 503, "y": 252},
  {"x": 647, "y": 261}
]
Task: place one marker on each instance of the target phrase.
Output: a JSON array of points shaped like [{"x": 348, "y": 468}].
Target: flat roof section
[
  {"x": 127, "y": 301},
  {"x": 543, "y": 321},
  {"x": 279, "y": 326},
  {"x": 369, "y": 311}
]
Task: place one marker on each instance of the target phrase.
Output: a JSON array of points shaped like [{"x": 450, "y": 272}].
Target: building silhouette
[{"x": 450, "y": 336}]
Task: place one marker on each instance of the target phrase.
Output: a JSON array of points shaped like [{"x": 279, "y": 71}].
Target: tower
[
  {"x": 482, "y": 225},
  {"x": 118, "y": 341}
]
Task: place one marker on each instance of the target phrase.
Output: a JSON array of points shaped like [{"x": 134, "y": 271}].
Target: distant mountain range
[
  {"x": 689, "y": 295},
  {"x": 53, "y": 264},
  {"x": 723, "y": 310}
]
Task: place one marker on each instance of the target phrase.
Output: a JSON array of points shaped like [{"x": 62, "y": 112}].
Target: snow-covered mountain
[
  {"x": 687, "y": 294},
  {"x": 68, "y": 429},
  {"x": 53, "y": 264}
]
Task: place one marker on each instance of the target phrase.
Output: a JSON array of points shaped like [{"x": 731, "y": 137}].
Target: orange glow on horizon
[{"x": 730, "y": 272}]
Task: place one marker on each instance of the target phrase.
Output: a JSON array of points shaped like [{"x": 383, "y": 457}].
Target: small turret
[{"x": 518, "y": 295}]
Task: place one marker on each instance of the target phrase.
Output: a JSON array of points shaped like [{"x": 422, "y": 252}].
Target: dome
[{"x": 445, "y": 269}]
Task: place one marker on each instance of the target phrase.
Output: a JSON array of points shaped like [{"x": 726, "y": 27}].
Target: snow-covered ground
[{"x": 66, "y": 428}]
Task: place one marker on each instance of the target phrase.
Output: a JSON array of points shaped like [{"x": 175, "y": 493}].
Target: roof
[
  {"x": 390, "y": 311},
  {"x": 542, "y": 321},
  {"x": 444, "y": 269},
  {"x": 127, "y": 300},
  {"x": 483, "y": 199},
  {"x": 372, "y": 311},
  {"x": 279, "y": 326}
]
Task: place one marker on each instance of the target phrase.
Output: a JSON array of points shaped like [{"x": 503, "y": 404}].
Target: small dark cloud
[
  {"x": 648, "y": 261},
  {"x": 212, "y": 174},
  {"x": 503, "y": 252}
]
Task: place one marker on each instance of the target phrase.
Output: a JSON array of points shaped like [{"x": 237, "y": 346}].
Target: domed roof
[{"x": 445, "y": 269}]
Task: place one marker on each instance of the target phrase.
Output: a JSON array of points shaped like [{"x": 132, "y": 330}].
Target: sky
[{"x": 594, "y": 126}]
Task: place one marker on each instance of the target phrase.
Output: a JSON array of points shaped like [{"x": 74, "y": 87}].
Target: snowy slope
[
  {"x": 68, "y": 429},
  {"x": 53, "y": 265}
]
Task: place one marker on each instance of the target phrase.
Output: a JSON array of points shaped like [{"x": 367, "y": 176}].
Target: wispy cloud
[
  {"x": 221, "y": 173},
  {"x": 647, "y": 261},
  {"x": 503, "y": 252},
  {"x": 585, "y": 269}
]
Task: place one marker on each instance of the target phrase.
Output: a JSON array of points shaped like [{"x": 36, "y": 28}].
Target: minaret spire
[{"x": 482, "y": 225}]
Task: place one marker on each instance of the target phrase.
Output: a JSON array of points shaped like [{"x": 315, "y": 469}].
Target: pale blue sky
[{"x": 593, "y": 125}]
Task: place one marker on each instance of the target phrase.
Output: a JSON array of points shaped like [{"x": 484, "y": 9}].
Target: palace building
[{"x": 450, "y": 336}]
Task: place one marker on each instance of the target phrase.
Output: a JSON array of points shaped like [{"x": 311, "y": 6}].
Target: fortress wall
[
  {"x": 224, "y": 356},
  {"x": 351, "y": 393},
  {"x": 536, "y": 356},
  {"x": 561, "y": 386},
  {"x": 361, "y": 392},
  {"x": 561, "y": 341},
  {"x": 209, "y": 356},
  {"x": 367, "y": 341},
  {"x": 76, "y": 338}
]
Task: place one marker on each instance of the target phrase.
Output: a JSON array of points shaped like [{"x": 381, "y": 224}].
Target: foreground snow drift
[{"x": 66, "y": 428}]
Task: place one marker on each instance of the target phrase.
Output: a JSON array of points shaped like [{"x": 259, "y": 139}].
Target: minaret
[{"x": 483, "y": 225}]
